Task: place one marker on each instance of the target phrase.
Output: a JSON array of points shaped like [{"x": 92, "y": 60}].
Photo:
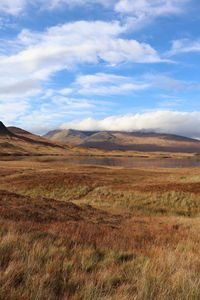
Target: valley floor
[{"x": 97, "y": 232}]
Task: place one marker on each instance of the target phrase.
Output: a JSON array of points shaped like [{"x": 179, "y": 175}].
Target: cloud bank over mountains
[{"x": 174, "y": 122}]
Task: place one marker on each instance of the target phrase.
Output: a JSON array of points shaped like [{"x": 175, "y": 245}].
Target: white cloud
[
  {"x": 66, "y": 91},
  {"x": 71, "y": 103},
  {"x": 71, "y": 3},
  {"x": 34, "y": 57},
  {"x": 183, "y": 123},
  {"x": 16, "y": 99},
  {"x": 70, "y": 45},
  {"x": 12, "y": 7},
  {"x": 51, "y": 108},
  {"x": 150, "y": 7},
  {"x": 166, "y": 82},
  {"x": 136, "y": 7},
  {"x": 184, "y": 46},
  {"x": 15, "y": 7},
  {"x": 25, "y": 88},
  {"x": 111, "y": 84},
  {"x": 141, "y": 12},
  {"x": 13, "y": 109},
  {"x": 23, "y": 72},
  {"x": 107, "y": 84}
]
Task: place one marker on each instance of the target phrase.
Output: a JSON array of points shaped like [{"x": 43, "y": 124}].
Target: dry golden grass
[
  {"x": 144, "y": 259},
  {"x": 139, "y": 239}
]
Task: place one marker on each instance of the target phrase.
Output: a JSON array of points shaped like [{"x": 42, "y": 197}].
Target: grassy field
[{"x": 94, "y": 232}]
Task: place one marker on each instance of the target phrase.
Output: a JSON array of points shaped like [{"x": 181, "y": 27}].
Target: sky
[{"x": 100, "y": 65}]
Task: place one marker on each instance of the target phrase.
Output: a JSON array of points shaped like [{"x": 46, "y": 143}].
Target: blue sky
[{"x": 100, "y": 65}]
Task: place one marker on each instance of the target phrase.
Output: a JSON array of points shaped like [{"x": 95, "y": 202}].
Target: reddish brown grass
[{"x": 131, "y": 245}]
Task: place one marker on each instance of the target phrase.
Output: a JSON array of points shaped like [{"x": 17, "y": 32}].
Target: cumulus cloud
[
  {"x": 107, "y": 84},
  {"x": 175, "y": 122}
]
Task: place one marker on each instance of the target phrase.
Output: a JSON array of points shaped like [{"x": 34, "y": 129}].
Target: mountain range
[
  {"x": 17, "y": 141},
  {"x": 124, "y": 141}
]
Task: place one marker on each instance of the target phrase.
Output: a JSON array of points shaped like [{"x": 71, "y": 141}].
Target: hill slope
[
  {"x": 136, "y": 141},
  {"x": 5, "y": 132},
  {"x": 16, "y": 141}
]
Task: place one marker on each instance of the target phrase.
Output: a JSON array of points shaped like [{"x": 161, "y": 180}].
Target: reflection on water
[
  {"x": 127, "y": 162},
  {"x": 136, "y": 163}
]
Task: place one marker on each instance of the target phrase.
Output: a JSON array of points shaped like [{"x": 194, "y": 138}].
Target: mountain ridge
[{"x": 125, "y": 141}]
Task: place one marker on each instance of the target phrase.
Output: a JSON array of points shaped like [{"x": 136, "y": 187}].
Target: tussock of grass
[
  {"x": 37, "y": 264},
  {"x": 57, "y": 186},
  {"x": 53, "y": 267},
  {"x": 178, "y": 203}
]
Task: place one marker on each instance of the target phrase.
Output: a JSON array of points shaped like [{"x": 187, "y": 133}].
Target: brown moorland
[{"x": 97, "y": 232}]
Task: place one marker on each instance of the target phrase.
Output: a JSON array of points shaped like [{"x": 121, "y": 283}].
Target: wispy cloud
[
  {"x": 16, "y": 7},
  {"x": 150, "y": 8},
  {"x": 167, "y": 102},
  {"x": 139, "y": 9},
  {"x": 51, "y": 107},
  {"x": 184, "y": 46},
  {"x": 13, "y": 109},
  {"x": 111, "y": 84},
  {"x": 169, "y": 83},
  {"x": 108, "y": 84},
  {"x": 141, "y": 12},
  {"x": 13, "y": 7}
]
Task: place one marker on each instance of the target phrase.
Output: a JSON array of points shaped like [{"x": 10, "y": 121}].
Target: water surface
[
  {"x": 127, "y": 162},
  {"x": 135, "y": 162}
]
